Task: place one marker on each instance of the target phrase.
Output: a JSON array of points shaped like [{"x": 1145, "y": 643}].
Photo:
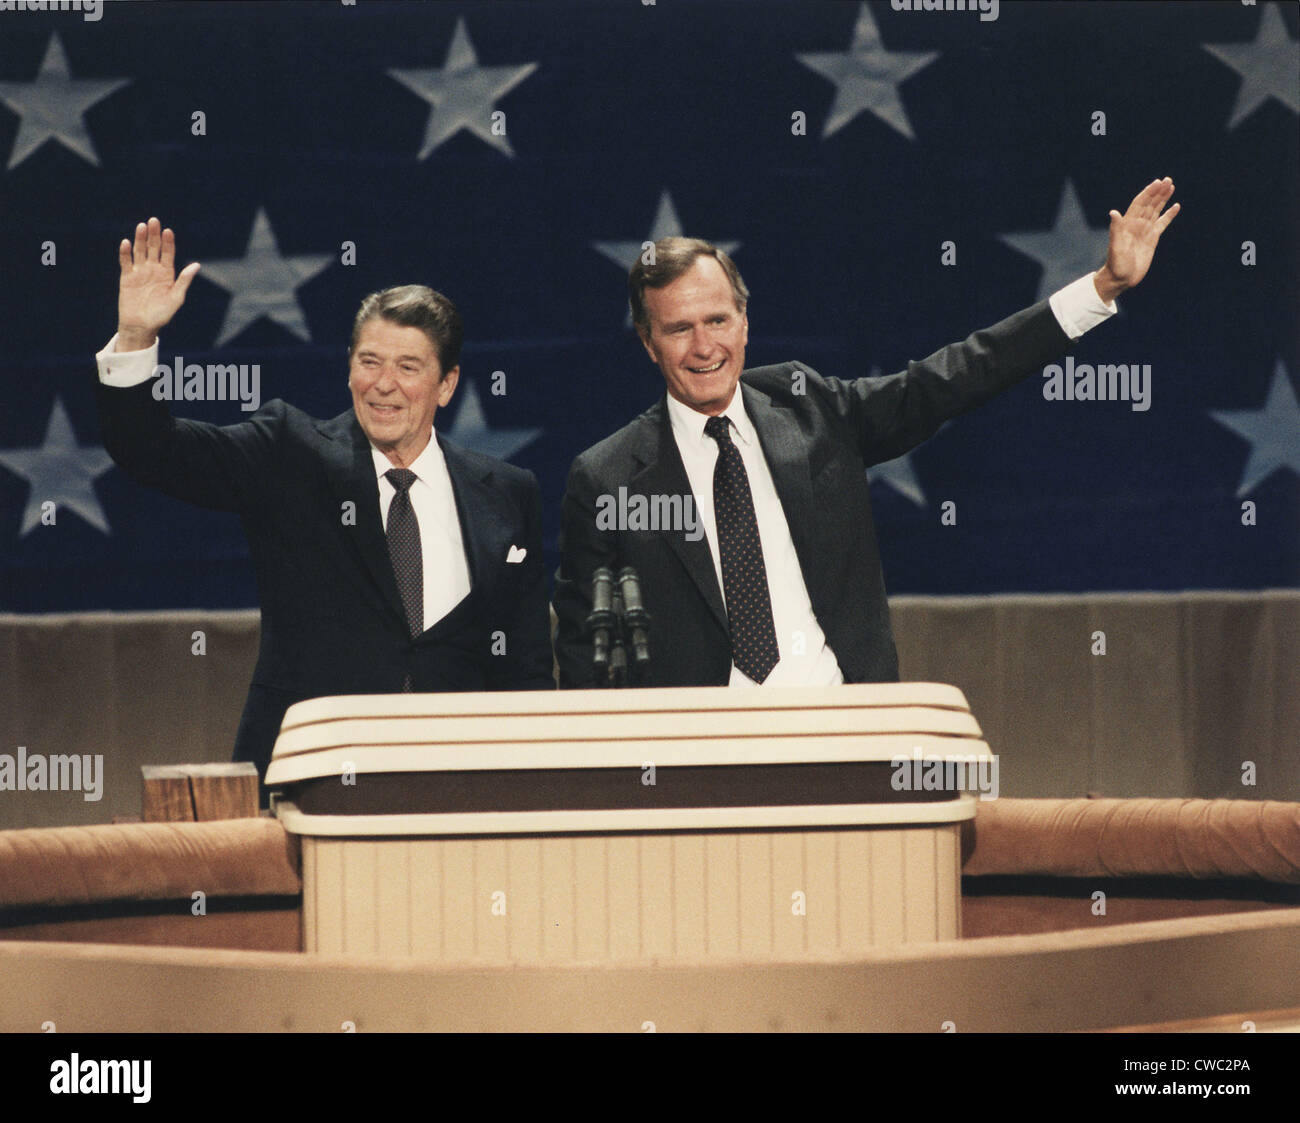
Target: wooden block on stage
[
  {"x": 166, "y": 794},
  {"x": 224, "y": 791},
  {"x": 199, "y": 792}
]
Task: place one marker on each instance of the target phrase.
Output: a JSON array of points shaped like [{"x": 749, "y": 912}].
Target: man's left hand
[{"x": 1133, "y": 238}]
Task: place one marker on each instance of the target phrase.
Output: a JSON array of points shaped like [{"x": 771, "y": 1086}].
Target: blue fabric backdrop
[{"x": 372, "y": 124}]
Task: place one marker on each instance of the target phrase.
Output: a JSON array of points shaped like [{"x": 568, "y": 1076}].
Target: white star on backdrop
[
  {"x": 1273, "y": 432},
  {"x": 867, "y": 77},
  {"x": 462, "y": 94},
  {"x": 666, "y": 225},
  {"x": 61, "y": 470},
  {"x": 53, "y": 104},
  {"x": 1067, "y": 251},
  {"x": 264, "y": 282},
  {"x": 472, "y": 430},
  {"x": 1269, "y": 66}
]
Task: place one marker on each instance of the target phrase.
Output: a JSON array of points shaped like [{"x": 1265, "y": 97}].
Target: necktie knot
[
  {"x": 400, "y": 478},
  {"x": 716, "y": 427}
]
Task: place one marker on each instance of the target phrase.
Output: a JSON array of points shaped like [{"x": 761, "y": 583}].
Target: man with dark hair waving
[
  {"x": 387, "y": 558},
  {"x": 784, "y": 585}
]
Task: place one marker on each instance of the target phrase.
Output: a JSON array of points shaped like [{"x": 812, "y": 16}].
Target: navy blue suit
[
  {"x": 332, "y": 619},
  {"x": 818, "y": 435}
]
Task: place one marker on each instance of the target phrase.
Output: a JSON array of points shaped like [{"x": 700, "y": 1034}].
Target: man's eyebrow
[{"x": 716, "y": 314}]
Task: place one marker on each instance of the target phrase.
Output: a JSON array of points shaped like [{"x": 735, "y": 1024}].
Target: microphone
[
  {"x": 618, "y": 656},
  {"x": 601, "y": 619},
  {"x": 635, "y": 616}
]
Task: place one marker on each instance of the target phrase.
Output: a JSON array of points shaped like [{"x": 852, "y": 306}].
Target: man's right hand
[{"x": 149, "y": 293}]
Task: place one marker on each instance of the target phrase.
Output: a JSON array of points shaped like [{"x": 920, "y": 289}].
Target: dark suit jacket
[
  {"x": 332, "y": 618},
  {"x": 818, "y": 444}
]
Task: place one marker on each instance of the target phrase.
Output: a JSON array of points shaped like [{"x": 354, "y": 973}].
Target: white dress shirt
[
  {"x": 442, "y": 547},
  {"x": 805, "y": 657}
]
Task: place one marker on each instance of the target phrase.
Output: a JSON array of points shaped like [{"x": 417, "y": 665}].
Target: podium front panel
[{"x": 644, "y": 841}]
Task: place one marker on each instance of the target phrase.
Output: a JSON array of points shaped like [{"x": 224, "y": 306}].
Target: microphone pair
[{"x": 618, "y": 617}]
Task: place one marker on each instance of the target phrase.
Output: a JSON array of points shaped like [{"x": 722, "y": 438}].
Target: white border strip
[
  {"x": 652, "y": 819},
  {"x": 662, "y": 699},
  {"x": 486, "y": 757}
]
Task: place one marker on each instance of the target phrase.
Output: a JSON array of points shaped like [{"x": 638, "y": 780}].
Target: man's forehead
[
  {"x": 703, "y": 273},
  {"x": 694, "y": 291},
  {"x": 379, "y": 334}
]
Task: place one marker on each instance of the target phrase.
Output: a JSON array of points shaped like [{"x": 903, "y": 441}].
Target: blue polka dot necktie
[
  {"x": 403, "y": 533},
  {"x": 744, "y": 576}
]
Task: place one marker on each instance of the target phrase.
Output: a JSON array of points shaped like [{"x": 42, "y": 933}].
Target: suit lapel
[
  {"x": 664, "y": 474},
  {"x": 350, "y": 468},
  {"x": 486, "y": 519},
  {"x": 786, "y": 451}
]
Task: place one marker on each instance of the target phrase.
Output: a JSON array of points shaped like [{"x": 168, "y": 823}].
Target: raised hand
[
  {"x": 149, "y": 292},
  {"x": 1133, "y": 238}
]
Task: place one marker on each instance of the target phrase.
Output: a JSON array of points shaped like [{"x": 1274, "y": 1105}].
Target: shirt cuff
[
  {"x": 126, "y": 368},
  {"x": 1077, "y": 307}
]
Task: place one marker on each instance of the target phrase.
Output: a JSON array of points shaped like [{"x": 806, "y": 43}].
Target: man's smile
[{"x": 706, "y": 370}]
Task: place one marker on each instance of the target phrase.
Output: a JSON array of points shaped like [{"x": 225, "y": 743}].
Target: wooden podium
[{"x": 672, "y": 825}]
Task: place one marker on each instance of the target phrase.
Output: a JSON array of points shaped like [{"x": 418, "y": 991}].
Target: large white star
[
  {"x": 867, "y": 76},
  {"x": 666, "y": 225},
  {"x": 1269, "y": 66},
  {"x": 264, "y": 282},
  {"x": 1067, "y": 251},
  {"x": 53, "y": 104},
  {"x": 462, "y": 94},
  {"x": 471, "y": 429},
  {"x": 1273, "y": 432},
  {"x": 61, "y": 470}
]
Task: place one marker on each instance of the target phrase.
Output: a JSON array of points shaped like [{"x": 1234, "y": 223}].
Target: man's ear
[
  {"x": 643, "y": 334},
  {"x": 447, "y": 386}
]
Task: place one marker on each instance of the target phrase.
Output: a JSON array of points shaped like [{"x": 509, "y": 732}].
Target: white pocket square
[{"x": 516, "y": 555}]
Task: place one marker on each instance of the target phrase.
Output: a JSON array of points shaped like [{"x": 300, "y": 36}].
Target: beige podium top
[
  {"x": 665, "y": 699},
  {"x": 598, "y": 729},
  {"x": 583, "y": 761}
]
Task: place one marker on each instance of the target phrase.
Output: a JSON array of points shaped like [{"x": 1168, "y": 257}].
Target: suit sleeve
[
  {"x": 221, "y": 467},
  {"x": 888, "y": 416},
  {"x": 527, "y": 663},
  {"x": 583, "y": 550}
]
